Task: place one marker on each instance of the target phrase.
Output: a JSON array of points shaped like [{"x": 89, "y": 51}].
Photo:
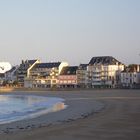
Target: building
[
  {"x": 4, "y": 67},
  {"x": 2, "y": 79},
  {"x": 11, "y": 75},
  {"x": 82, "y": 76},
  {"x": 130, "y": 77},
  {"x": 44, "y": 75},
  {"x": 24, "y": 70},
  {"x": 104, "y": 72},
  {"x": 68, "y": 77}
]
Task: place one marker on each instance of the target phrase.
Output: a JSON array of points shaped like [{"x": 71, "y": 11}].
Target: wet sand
[{"x": 119, "y": 120}]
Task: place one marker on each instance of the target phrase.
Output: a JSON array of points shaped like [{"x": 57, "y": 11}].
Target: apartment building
[
  {"x": 68, "y": 77},
  {"x": 24, "y": 70},
  {"x": 82, "y": 76},
  {"x": 44, "y": 75},
  {"x": 130, "y": 77},
  {"x": 104, "y": 72}
]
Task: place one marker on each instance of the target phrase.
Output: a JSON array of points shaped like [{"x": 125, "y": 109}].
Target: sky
[{"x": 69, "y": 30}]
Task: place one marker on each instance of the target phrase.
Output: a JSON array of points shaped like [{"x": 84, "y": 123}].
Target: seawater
[{"x": 19, "y": 107}]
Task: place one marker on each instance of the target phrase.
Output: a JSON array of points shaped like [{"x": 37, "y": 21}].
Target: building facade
[
  {"x": 130, "y": 77},
  {"x": 82, "y": 76},
  {"x": 68, "y": 77},
  {"x": 4, "y": 67},
  {"x": 104, "y": 72},
  {"x": 44, "y": 75},
  {"x": 11, "y": 75},
  {"x": 24, "y": 70}
]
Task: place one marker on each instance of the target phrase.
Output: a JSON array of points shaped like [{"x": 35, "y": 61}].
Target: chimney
[{"x": 22, "y": 62}]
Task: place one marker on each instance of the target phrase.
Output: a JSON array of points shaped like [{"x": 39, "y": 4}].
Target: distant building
[
  {"x": 104, "y": 72},
  {"x": 11, "y": 75},
  {"x": 68, "y": 77},
  {"x": 82, "y": 76},
  {"x": 4, "y": 67},
  {"x": 2, "y": 78},
  {"x": 130, "y": 77},
  {"x": 24, "y": 70},
  {"x": 44, "y": 75}
]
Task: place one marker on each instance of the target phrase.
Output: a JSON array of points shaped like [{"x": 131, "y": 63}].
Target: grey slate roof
[
  {"x": 69, "y": 70},
  {"x": 26, "y": 64},
  {"x": 83, "y": 66},
  {"x": 131, "y": 68},
  {"x": 31, "y": 62},
  {"x": 104, "y": 60},
  {"x": 47, "y": 65}
]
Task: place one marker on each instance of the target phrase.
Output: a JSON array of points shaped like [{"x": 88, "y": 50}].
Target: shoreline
[
  {"x": 12, "y": 129},
  {"x": 76, "y": 110},
  {"x": 22, "y": 89}
]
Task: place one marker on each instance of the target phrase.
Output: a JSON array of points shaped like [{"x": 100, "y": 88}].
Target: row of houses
[{"x": 100, "y": 72}]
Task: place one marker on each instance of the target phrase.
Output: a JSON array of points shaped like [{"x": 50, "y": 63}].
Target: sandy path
[{"x": 120, "y": 120}]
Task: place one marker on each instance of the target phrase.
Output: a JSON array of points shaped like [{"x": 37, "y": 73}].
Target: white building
[
  {"x": 4, "y": 67},
  {"x": 44, "y": 75},
  {"x": 104, "y": 71},
  {"x": 11, "y": 75},
  {"x": 130, "y": 77}
]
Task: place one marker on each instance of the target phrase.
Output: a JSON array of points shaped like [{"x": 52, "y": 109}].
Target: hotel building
[
  {"x": 44, "y": 75},
  {"x": 104, "y": 72}
]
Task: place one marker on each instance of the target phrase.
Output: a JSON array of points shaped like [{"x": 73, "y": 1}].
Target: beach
[{"x": 93, "y": 115}]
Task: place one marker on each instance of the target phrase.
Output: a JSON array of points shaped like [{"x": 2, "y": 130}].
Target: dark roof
[
  {"x": 69, "y": 70},
  {"x": 47, "y": 65},
  {"x": 83, "y": 66},
  {"x": 26, "y": 64},
  {"x": 31, "y": 62},
  {"x": 104, "y": 60},
  {"x": 132, "y": 68}
]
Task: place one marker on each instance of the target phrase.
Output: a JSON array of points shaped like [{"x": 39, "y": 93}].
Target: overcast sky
[{"x": 69, "y": 30}]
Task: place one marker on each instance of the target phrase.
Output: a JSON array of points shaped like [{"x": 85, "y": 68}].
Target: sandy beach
[{"x": 105, "y": 115}]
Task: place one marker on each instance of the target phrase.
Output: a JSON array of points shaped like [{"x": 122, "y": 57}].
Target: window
[{"x": 54, "y": 81}]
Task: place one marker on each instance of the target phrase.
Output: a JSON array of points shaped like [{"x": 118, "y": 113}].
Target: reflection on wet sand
[{"x": 58, "y": 107}]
